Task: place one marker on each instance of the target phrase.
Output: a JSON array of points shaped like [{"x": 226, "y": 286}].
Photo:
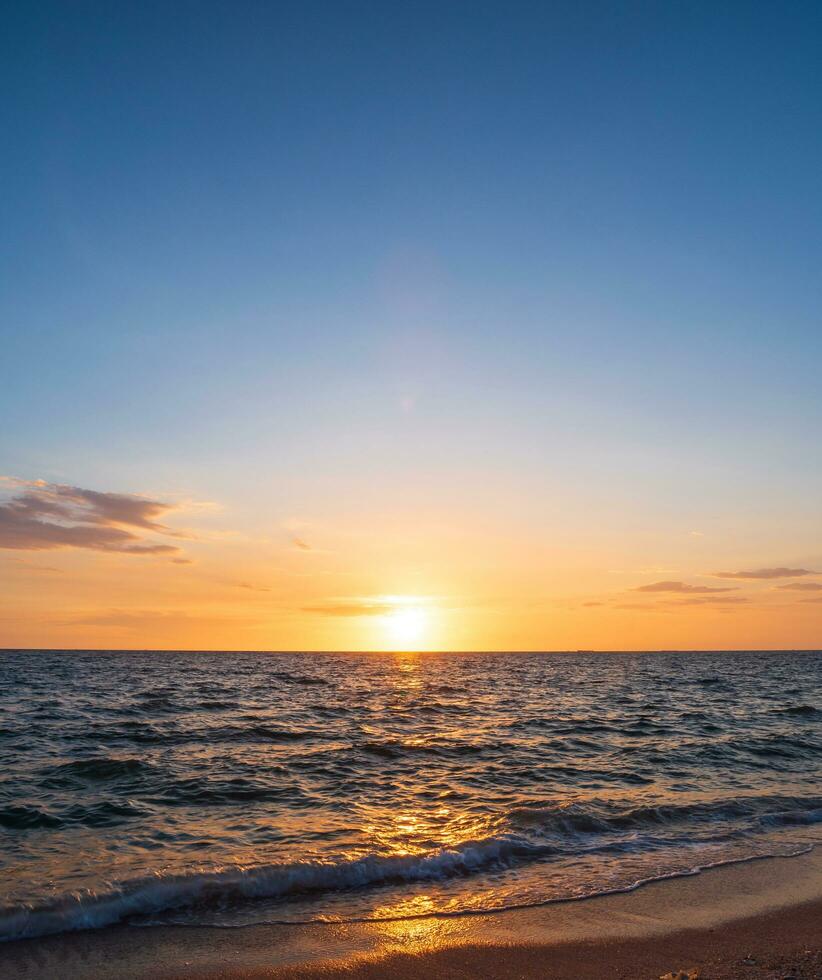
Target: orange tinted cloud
[
  {"x": 707, "y": 600},
  {"x": 33, "y": 566},
  {"x": 766, "y": 573},
  {"x": 681, "y": 587},
  {"x": 362, "y": 607}
]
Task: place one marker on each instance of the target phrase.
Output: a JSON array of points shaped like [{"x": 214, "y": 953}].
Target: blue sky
[{"x": 299, "y": 257}]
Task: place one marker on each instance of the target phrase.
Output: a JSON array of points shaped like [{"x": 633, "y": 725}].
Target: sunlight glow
[
  {"x": 406, "y": 627},
  {"x": 406, "y": 624}
]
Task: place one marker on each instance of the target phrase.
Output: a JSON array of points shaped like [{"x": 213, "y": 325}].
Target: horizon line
[{"x": 407, "y": 652}]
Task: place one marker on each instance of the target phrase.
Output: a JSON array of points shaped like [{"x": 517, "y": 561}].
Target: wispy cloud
[
  {"x": 707, "y": 600},
  {"x": 801, "y": 587},
  {"x": 301, "y": 536},
  {"x": 250, "y": 586},
  {"x": 766, "y": 573},
  {"x": 34, "y": 566},
  {"x": 665, "y": 604},
  {"x": 640, "y": 606},
  {"x": 655, "y": 570},
  {"x": 127, "y": 619},
  {"x": 151, "y": 619},
  {"x": 40, "y": 516},
  {"x": 356, "y": 607},
  {"x": 377, "y": 605},
  {"x": 682, "y": 588}
]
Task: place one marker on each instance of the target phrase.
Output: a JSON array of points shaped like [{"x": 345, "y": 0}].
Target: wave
[
  {"x": 166, "y": 893},
  {"x": 207, "y": 791},
  {"x": 260, "y": 733},
  {"x": 152, "y": 704},
  {"x": 141, "y": 733},
  {"x": 783, "y": 747},
  {"x": 523, "y": 834},
  {"x": 100, "y": 768},
  {"x": 104, "y": 814},
  {"x": 162, "y": 893},
  {"x": 24, "y": 817},
  {"x": 291, "y": 678},
  {"x": 807, "y": 710},
  {"x": 399, "y": 748},
  {"x": 594, "y": 817}
]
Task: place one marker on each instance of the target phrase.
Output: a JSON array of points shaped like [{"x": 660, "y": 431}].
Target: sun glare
[{"x": 406, "y": 622}]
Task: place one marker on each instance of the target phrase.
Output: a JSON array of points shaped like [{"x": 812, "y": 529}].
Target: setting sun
[{"x": 407, "y": 622}]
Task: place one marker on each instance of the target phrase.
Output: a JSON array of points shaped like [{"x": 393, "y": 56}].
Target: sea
[{"x": 232, "y": 788}]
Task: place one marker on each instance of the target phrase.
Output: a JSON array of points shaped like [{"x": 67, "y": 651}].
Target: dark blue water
[{"x": 230, "y": 788}]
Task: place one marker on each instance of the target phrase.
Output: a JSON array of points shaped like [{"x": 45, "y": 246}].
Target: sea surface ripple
[{"x": 230, "y": 788}]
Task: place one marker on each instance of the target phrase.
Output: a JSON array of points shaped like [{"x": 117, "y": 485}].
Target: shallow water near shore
[{"x": 233, "y": 788}]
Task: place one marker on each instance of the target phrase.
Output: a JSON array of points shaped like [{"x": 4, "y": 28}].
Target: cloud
[
  {"x": 589, "y": 604},
  {"x": 681, "y": 587},
  {"x": 34, "y": 567},
  {"x": 299, "y": 544},
  {"x": 126, "y": 620},
  {"x": 640, "y": 606},
  {"x": 379, "y": 605},
  {"x": 359, "y": 607},
  {"x": 707, "y": 600},
  {"x": 766, "y": 573},
  {"x": 667, "y": 605},
  {"x": 42, "y": 516},
  {"x": 801, "y": 587},
  {"x": 148, "y": 619},
  {"x": 252, "y": 587},
  {"x": 643, "y": 571}
]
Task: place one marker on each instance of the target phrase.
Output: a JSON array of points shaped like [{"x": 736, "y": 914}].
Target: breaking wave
[
  {"x": 535, "y": 833},
  {"x": 163, "y": 893}
]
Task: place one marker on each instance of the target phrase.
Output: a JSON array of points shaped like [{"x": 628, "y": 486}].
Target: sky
[{"x": 353, "y": 325}]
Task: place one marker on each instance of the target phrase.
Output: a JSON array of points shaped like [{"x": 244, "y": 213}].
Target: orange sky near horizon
[{"x": 84, "y": 569}]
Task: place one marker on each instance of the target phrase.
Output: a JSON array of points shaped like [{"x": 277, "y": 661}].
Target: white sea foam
[
  {"x": 157, "y": 893},
  {"x": 93, "y": 910}
]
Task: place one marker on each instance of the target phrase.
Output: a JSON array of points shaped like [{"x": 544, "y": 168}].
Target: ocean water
[{"x": 231, "y": 788}]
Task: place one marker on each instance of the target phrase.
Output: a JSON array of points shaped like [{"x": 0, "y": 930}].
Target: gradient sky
[{"x": 442, "y": 325}]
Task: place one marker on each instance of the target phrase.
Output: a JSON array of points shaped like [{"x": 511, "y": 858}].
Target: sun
[
  {"x": 406, "y": 622},
  {"x": 406, "y": 627}
]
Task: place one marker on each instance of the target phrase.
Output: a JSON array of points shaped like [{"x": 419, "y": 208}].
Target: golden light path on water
[{"x": 407, "y": 831}]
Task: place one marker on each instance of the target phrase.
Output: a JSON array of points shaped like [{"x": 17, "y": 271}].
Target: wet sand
[{"x": 762, "y": 919}]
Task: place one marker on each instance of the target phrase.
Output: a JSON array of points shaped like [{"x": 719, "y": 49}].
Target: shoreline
[{"x": 769, "y": 908}]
